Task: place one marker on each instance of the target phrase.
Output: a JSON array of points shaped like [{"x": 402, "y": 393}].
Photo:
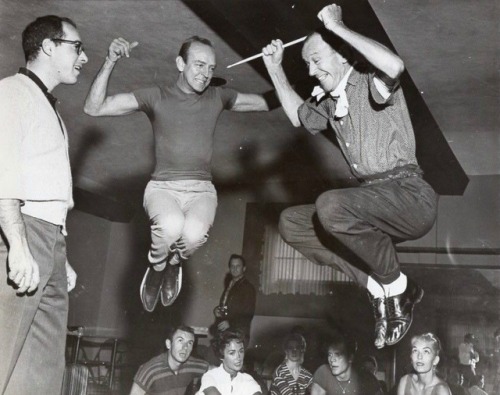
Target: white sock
[
  {"x": 397, "y": 287},
  {"x": 159, "y": 266},
  {"x": 375, "y": 288}
]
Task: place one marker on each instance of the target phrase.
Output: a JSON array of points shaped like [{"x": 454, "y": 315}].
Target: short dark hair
[
  {"x": 184, "y": 51},
  {"x": 335, "y": 42},
  {"x": 222, "y": 339},
  {"x": 345, "y": 344},
  {"x": 236, "y": 256},
  {"x": 469, "y": 337},
  {"x": 48, "y": 26},
  {"x": 181, "y": 327}
]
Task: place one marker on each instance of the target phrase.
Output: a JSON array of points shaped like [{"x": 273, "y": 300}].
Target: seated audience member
[
  {"x": 228, "y": 379},
  {"x": 370, "y": 365},
  {"x": 290, "y": 377},
  {"x": 477, "y": 385},
  {"x": 338, "y": 377},
  {"x": 425, "y": 350},
  {"x": 173, "y": 372}
]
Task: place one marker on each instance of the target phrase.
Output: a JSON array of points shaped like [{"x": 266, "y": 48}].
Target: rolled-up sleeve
[
  {"x": 313, "y": 116},
  {"x": 208, "y": 380}
]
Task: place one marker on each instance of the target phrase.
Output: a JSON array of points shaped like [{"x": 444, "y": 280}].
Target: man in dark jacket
[{"x": 237, "y": 303}]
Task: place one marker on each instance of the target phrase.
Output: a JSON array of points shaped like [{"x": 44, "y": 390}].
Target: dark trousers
[
  {"x": 468, "y": 373},
  {"x": 33, "y": 327},
  {"x": 354, "y": 229}
]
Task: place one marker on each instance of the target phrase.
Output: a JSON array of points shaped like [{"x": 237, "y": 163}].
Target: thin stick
[{"x": 299, "y": 40}]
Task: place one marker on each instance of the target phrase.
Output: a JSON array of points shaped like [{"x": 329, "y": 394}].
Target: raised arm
[
  {"x": 381, "y": 57},
  {"x": 23, "y": 270},
  {"x": 290, "y": 100},
  {"x": 97, "y": 103}
]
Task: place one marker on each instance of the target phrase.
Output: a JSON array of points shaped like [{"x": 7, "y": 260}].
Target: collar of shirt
[
  {"x": 28, "y": 73},
  {"x": 339, "y": 94}
]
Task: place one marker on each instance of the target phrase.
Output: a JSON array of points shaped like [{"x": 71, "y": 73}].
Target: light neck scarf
[{"x": 339, "y": 94}]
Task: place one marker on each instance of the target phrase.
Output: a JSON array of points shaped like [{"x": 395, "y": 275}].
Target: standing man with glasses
[{"x": 35, "y": 196}]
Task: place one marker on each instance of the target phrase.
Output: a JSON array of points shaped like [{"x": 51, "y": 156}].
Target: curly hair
[{"x": 222, "y": 340}]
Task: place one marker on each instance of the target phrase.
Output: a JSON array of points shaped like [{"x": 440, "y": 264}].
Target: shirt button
[
  {"x": 347, "y": 145},
  {"x": 355, "y": 165}
]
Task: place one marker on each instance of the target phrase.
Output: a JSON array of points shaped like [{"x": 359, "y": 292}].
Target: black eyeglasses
[{"x": 78, "y": 44}]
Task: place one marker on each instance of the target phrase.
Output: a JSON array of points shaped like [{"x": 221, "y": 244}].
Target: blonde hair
[{"x": 428, "y": 337}]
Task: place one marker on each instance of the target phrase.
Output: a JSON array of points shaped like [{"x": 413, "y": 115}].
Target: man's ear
[
  {"x": 47, "y": 46},
  {"x": 168, "y": 344},
  {"x": 341, "y": 57},
  {"x": 180, "y": 63}
]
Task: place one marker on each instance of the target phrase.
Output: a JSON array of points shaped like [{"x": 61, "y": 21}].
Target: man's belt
[{"x": 394, "y": 174}]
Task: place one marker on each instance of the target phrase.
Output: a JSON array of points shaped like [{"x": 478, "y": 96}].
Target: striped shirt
[
  {"x": 156, "y": 378},
  {"x": 285, "y": 384}
]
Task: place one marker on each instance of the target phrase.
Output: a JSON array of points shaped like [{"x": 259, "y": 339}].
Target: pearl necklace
[{"x": 344, "y": 389}]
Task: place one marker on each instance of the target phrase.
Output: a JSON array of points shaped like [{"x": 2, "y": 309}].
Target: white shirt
[
  {"x": 242, "y": 384},
  {"x": 34, "y": 160},
  {"x": 466, "y": 354}
]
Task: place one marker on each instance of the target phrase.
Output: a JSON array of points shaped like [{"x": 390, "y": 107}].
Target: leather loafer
[
  {"x": 378, "y": 307},
  {"x": 150, "y": 288},
  {"x": 172, "y": 283},
  {"x": 399, "y": 309}
]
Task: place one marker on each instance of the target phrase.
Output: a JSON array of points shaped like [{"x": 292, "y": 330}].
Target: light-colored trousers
[{"x": 180, "y": 215}]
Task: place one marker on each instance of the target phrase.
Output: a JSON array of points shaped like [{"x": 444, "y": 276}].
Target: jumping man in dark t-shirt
[{"x": 180, "y": 199}]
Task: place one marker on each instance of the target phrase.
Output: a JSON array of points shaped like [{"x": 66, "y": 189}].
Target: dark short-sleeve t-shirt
[
  {"x": 183, "y": 126},
  {"x": 360, "y": 383}
]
